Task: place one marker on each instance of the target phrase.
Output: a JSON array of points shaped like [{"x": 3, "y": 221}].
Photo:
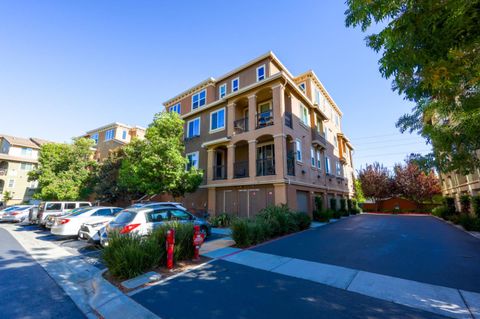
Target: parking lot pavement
[
  {"x": 26, "y": 290},
  {"x": 226, "y": 290},
  {"x": 88, "y": 252},
  {"x": 419, "y": 248}
]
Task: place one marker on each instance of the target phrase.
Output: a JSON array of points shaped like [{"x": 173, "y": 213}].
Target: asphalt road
[
  {"x": 26, "y": 290},
  {"x": 231, "y": 291},
  {"x": 420, "y": 248}
]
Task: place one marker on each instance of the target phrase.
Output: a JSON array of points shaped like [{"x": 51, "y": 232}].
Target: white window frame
[
  {"x": 199, "y": 127},
  {"x": 11, "y": 183},
  {"x": 264, "y": 73},
  {"x": 197, "y": 154},
  {"x": 338, "y": 168},
  {"x": 303, "y": 87},
  {"x": 317, "y": 97},
  {"x": 223, "y": 86},
  {"x": 298, "y": 151},
  {"x": 304, "y": 120},
  {"x": 107, "y": 137},
  {"x": 94, "y": 137},
  {"x": 337, "y": 120},
  {"x": 175, "y": 108},
  {"x": 319, "y": 159},
  {"x": 238, "y": 84},
  {"x": 312, "y": 156},
  {"x": 327, "y": 164},
  {"x": 224, "y": 120},
  {"x": 199, "y": 104}
]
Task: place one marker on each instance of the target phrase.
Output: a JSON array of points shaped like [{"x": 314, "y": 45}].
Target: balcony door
[
  {"x": 266, "y": 160},
  {"x": 220, "y": 165}
]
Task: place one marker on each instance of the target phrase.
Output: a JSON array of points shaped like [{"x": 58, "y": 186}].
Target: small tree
[
  {"x": 414, "y": 184},
  {"x": 64, "y": 171},
  {"x": 157, "y": 164},
  {"x": 333, "y": 204},
  {"x": 359, "y": 196},
  {"x": 7, "y": 196},
  {"x": 375, "y": 182},
  {"x": 465, "y": 204}
]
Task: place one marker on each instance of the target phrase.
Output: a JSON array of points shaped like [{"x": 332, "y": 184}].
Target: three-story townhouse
[{"x": 263, "y": 136}]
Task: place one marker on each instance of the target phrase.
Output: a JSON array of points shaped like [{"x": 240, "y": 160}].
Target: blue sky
[{"x": 70, "y": 66}]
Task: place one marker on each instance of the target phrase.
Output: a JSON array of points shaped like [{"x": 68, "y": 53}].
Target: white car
[
  {"x": 6, "y": 210},
  {"x": 91, "y": 231},
  {"x": 17, "y": 214},
  {"x": 69, "y": 225}
]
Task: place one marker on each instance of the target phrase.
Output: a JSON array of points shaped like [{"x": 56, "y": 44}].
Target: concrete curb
[{"x": 459, "y": 227}]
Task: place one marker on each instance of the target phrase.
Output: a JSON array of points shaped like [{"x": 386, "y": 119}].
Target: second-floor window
[
  {"x": 124, "y": 135},
  {"x": 317, "y": 97},
  {"x": 94, "y": 137},
  {"x": 26, "y": 152},
  {"x": 319, "y": 159},
  {"x": 192, "y": 160},
  {"x": 312, "y": 156},
  {"x": 298, "y": 150},
  {"x": 222, "y": 90},
  {"x": 193, "y": 128},
  {"x": 199, "y": 99},
  {"x": 327, "y": 165},
  {"x": 175, "y": 108},
  {"x": 235, "y": 84},
  {"x": 217, "y": 120},
  {"x": 304, "y": 115},
  {"x": 261, "y": 73},
  {"x": 109, "y": 135},
  {"x": 339, "y": 168},
  {"x": 26, "y": 166}
]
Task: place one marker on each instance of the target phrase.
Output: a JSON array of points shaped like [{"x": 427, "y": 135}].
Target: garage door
[{"x": 302, "y": 201}]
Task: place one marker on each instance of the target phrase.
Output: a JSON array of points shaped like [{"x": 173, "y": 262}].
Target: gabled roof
[{"x": 31, "y": 142}]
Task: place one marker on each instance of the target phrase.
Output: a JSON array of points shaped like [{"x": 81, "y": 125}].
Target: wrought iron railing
[
  {"x": 219, "y": 172},
  {"x": 241, "y": 125},
  {"x": 291, "y": 163},
  {"x": 264, "y": 119},
  {"x": 265, "y": 167},
  {"x": 240, "y": 169},
  {"x": 288, "y": 120}
]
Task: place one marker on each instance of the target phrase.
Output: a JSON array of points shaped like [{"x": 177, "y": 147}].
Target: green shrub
[
  {"x": 318, "y": 203},
  {"x": 333, "y": 204},
  {"x": 465, "y": 204},
  {"x": 241, "y": 232},
  {"x": 449, "y": 203},
  {"x": 469, "y": 222},
  {"x": 322, "y": 216},
  {"x": 355, "y": 210},
  {"x": 343, "y": 204},
  {"x": 476, "y": 205},
  {"x": 303, "y": 221},
  {"x": 127, "y": 256},
  {"x": 441, "y": 211},
  {"x": 335, "y": 214},
  {"x": 279, "y": 218},
  {"x": 222, "y": 220},
  {"x": 349, "y": 204}
]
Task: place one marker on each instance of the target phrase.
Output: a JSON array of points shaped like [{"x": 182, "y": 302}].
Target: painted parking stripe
[{"x": 432, "y": 298}]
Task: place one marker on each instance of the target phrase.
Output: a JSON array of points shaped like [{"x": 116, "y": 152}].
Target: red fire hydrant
[
  {"x": 198, "y": 239},
  {"x": 170, "y": 243}
]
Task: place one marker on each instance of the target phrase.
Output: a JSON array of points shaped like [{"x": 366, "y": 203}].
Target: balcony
[
  {"x": 318, "y": 138},
  {"x": 219, "y": 172},
  {"x": 264, "y": 119},
  {"x": 240, "y": 169},
  {"x": 265, "y": 167},
  {"x": 291, "y": 164},
  {"x": 241, "y": 125},
  {"x": 288, "y": 120},
  {"x": 3, "y": 172}
]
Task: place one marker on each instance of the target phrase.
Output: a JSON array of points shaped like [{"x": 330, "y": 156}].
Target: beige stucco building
[
  {"x": 455, "y": 185},
  {"x": 111, "y": 136},
  {"x": 264, "y": 136},
  {"x": 18, "y": 156}
]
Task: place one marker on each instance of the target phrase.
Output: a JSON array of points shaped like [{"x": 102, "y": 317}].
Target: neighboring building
[
  {"x": 455, "y": 185},
  {"x": 18, "y": 156},
  {"x": 263, "y": 136},
  {"x": 109, "y": 137}
]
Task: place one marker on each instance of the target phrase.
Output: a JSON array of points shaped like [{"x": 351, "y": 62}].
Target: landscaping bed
[{"x": 469, "y": 215}]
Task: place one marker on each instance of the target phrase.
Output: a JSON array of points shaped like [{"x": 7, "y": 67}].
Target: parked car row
[{"x": 94, "y": 223}]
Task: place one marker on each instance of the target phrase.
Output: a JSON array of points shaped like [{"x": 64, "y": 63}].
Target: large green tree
[
  {"x": 64, "y": 170},
  {"x": 431, "y": 50},
  {"x": 157, "y": 164}
]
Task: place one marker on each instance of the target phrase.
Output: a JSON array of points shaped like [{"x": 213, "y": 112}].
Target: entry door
[{"x": 219, "y": 164}]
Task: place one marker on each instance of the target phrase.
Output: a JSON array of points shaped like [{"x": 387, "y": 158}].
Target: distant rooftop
[
  {"x": 115, "y": 124},
  {"x": 31, "y": 142}
]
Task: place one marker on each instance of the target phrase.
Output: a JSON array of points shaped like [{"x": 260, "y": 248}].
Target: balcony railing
[
  {"x": 241, "y": 125},
  {"x": 265, "y": 167},
  {"x": 291, "y": 163},
  {"x": 318, "y": 137},
  {"x": 240, "y": 169},
  {"x": 3, "y": 172},
  {"x": 264, "y": 119},
  {"x": 219, "y": 172},
  {"x": 288, "y": 120}
]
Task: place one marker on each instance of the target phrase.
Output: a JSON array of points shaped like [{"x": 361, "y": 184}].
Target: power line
[
  {"x": 382, "y": 141},
  {"x": 380, "y": 147},
  {"x": 390, "y": 154}
]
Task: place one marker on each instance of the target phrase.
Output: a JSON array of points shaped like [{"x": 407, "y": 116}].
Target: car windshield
[
  {"x": 124, "y": 217},
  {"x": 10, "y": 208},
  {"x": 23, "y": 208},
  {"x": 80, "y": 211},
  {"x": 54, "y": 206}
]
